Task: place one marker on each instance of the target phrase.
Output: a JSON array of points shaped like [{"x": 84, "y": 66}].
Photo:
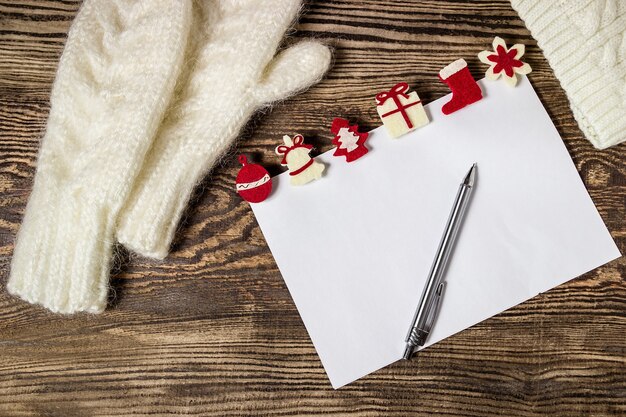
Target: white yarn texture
[
  {"x": 140, "y": 110},
  {"x": 115, "y": 78},
  {"x": 585, "y": 44},
  {"x": 232, "y": 72}
]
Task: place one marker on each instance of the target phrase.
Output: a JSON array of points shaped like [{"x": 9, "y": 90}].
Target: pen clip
[{"x": 433, "y": 312}]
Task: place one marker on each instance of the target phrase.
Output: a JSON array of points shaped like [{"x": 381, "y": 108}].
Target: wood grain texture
[{"x": 213, "y": 331}]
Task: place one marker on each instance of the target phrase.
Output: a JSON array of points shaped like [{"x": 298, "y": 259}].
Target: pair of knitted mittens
[{"x": 147, "y": 96}]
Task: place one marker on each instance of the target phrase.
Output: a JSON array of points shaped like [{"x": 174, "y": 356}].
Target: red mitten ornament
[
  {"x": 348, "y": 140},
  {"x": 253, "y": 181},
  {"x": 464, "y": 88}
]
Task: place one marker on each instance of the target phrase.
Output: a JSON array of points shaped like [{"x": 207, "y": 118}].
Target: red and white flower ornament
[
  {"x": 253, "y": 182},
  {"x": 505, "y": 62}
]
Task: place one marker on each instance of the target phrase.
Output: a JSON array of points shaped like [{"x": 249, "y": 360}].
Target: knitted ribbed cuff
[
  {"x": 148, "y": 222},
  {"x": 115, "y": 78},
  {"x": 63, "y": 252}
]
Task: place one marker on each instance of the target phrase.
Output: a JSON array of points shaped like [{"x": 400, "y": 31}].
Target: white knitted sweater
[{"x": 585, "y": 44}]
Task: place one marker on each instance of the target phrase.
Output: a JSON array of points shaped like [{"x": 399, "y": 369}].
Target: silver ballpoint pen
[{"x": 430, "y": 300}]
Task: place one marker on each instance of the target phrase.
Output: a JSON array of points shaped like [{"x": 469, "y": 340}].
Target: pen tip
[{"x": 470, "y": 177}]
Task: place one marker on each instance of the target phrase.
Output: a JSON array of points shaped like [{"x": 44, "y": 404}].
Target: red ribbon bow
[
  {"x": 398, "y": 90},
  {"x": 298, "y": 142}
]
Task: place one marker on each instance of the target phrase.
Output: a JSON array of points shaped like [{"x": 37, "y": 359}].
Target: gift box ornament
[
  {"x": 400, "y": 110},
  {"x": 302, "y": 168}
]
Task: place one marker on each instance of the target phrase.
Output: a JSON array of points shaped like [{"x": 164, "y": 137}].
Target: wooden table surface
[{"x": 212, "y": 330}]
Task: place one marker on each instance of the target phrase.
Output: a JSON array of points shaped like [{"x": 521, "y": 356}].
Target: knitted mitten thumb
[
  {"x": 117, "y": 72},
  {"x": 234, "y": 73}
]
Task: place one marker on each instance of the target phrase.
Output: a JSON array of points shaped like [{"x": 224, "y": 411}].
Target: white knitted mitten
[
  {"x": 234, "y": 73},
  {"x": 115, "y": 78},
  {"x": 585, "y": 44}
]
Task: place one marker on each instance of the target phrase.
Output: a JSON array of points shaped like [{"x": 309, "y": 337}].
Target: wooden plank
[{"x": 213, "y": 331}]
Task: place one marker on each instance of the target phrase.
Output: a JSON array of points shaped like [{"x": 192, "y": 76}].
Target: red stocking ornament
[
  {"x": 253, "y": 181},
  {"x": 464, "y": 88}
]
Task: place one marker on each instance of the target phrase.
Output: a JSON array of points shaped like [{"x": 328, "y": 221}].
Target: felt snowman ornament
[
  {"x": 302, "y": 168},
  {"x": 253, "y": 182}
]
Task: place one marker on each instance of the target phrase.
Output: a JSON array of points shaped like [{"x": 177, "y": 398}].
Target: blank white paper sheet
[{"x": 355, "y": 247}]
